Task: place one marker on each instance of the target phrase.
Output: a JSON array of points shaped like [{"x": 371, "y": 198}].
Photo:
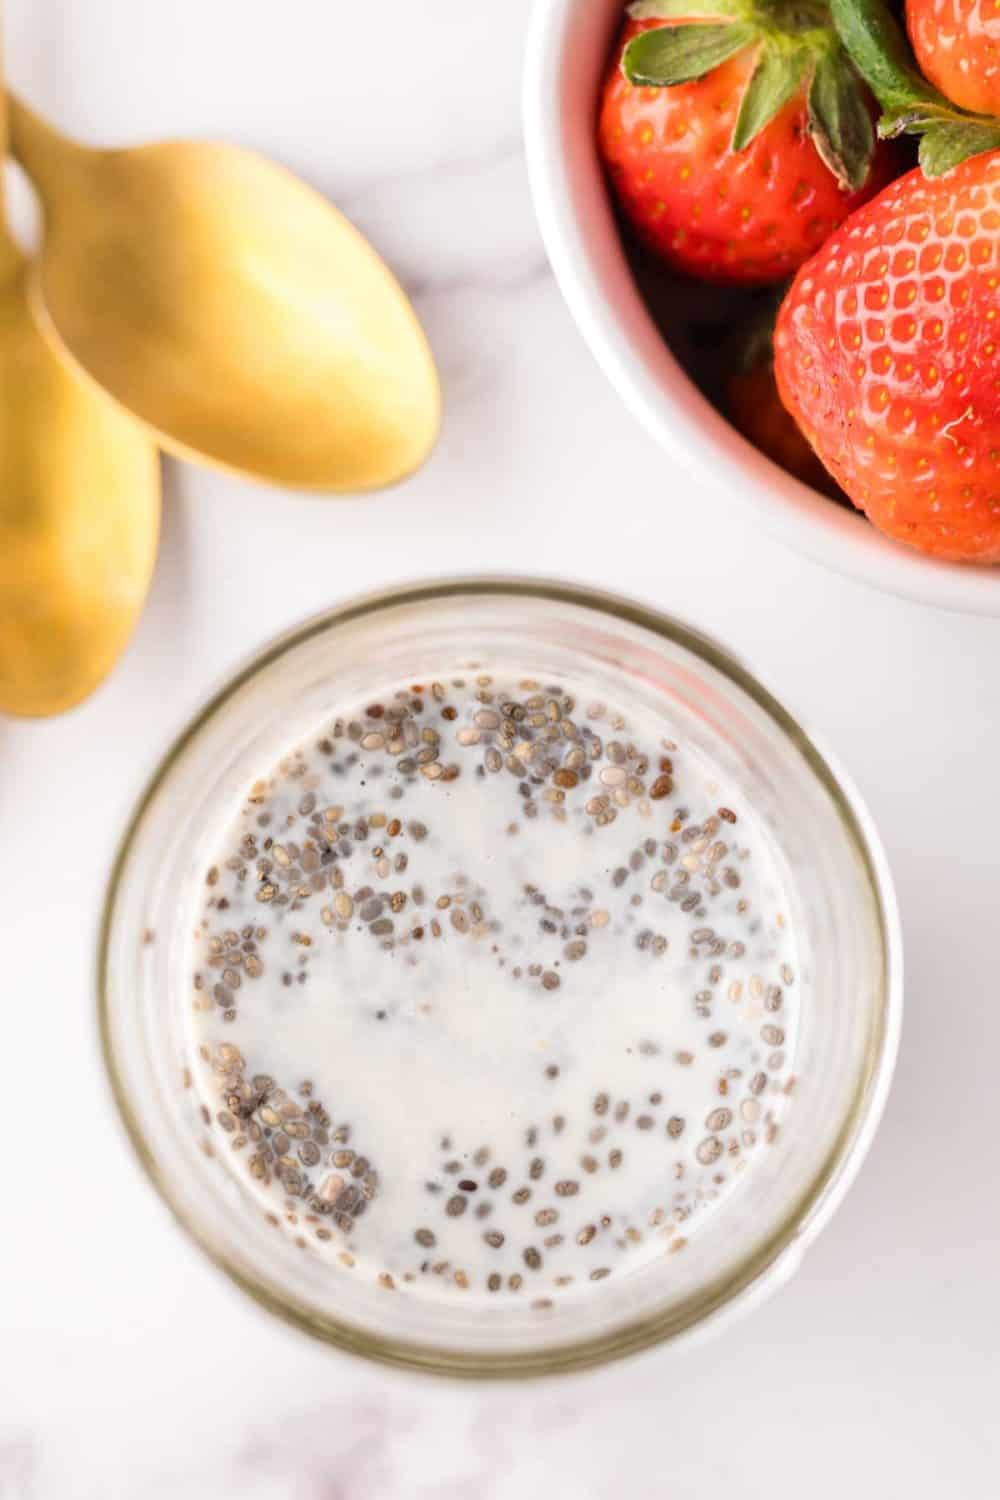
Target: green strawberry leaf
[
  {"x": 676, "y": 54},
  {"x": 839, "y": 121},
  {"x": 945, "y": 145},
  {"x": 775, "y": 80},
  {"x": 910, "y": 104},
  {"x": 880, "y": 54},
  {"x": 688, "y": 10}
]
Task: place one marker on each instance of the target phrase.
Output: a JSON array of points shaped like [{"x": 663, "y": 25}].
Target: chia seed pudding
[{"x": 494, "y": 990}]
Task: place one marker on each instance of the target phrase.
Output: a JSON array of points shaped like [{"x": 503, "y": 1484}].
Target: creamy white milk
[{"x": 494, "y": 991}]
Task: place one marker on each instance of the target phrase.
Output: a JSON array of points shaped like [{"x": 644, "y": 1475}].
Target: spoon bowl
[{"x": 231, "y": 309}]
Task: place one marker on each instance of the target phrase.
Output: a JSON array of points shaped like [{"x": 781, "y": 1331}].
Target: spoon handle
[
  {"x": 42, "y": 151},
  {"x": 11, "y": 256}
]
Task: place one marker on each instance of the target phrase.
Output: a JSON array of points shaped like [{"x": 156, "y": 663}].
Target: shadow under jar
[{"x": 495, "y": 979}]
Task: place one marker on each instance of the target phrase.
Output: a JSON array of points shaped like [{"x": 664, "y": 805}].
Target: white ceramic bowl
[{"x": 567, "y": 53}]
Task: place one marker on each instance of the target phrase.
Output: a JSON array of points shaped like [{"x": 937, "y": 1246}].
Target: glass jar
[{"x": 843, "y": 904}]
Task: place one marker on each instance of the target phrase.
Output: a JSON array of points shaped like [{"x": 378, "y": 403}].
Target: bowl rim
[
  {"x": 660, "y": 394},
  {"x": 775, "y": 1260}
]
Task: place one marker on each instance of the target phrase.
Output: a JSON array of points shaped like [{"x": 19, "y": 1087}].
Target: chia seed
[{"x": 304, "y": 895}]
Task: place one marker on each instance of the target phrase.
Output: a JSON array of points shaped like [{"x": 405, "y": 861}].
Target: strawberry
[
  {"x": 737, "y": 140},
  {"x": 752, "y": 403},
  {"x": 887, "y": 347},
  {"x": 957, "y": 44}
]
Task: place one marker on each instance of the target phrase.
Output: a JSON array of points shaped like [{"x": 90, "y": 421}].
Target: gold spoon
[
  {"x": 231, "y": 309},
  {"x": 79, "y": 513}
]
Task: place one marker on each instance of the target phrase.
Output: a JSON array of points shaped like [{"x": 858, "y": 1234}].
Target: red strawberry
[
  {"x": 887, "y": 348},
  {"x": 754, "y": 407},
  {"x": 735, "y": 145},
  {"x": 957, "y": 43}
]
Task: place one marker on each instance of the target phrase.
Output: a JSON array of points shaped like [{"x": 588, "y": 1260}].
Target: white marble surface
[{"x": 127, "y": 1366}]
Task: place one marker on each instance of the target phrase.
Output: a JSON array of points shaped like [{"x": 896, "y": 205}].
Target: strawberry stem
[
  {"x": 910, "y": 104},
  {"x": 797, "y": 51}
]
